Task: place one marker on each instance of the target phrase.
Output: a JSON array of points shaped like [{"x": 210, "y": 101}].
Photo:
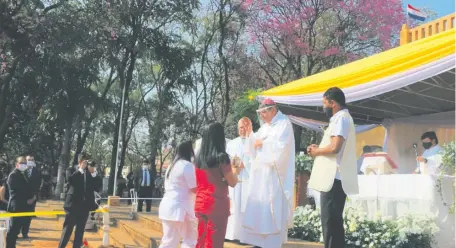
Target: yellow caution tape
[{"x": 44, "y": 213}]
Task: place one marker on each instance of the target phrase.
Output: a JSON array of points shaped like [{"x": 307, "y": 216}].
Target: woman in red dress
[{"x": 213, "y": 175}]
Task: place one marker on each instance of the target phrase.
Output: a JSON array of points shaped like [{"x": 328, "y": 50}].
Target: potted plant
[{"x": 303, "y": 167}]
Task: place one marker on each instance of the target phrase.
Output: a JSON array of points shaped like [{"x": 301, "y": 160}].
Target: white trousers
[{"x": 174, "y": 231}]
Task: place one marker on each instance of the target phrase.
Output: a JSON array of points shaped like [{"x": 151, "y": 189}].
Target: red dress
[{"x": 212, "y": 206}]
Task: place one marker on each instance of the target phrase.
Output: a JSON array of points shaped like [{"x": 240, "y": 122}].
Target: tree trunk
[
  {"x": 64, "y": 157},
  {"x": 301, "y": 193},
  {"x": 113, "y": 155},
  {"x": 297, "y": 136}
]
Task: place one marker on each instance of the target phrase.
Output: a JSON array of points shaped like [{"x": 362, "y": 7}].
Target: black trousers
[
  {"x": 28, "y": 220},
  {"x": 332, "y": 205},
  {"x": 145, "y": 192},
  {"x": 16, "y": 224},
  {"x": 129, "y": 196},
  {"x": 74, "y": 218}
]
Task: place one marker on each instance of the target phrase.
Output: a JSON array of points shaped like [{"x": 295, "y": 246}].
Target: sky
[{"x": 442, "y": 7}]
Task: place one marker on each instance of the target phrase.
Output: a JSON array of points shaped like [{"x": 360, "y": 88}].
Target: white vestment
[
  {"x": 434, "y": 159},
  {"x": 268, "y": 210},
  {"x": 238, "y": 194}
]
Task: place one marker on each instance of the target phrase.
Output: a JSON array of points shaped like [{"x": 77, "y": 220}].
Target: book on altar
[{"x": 378, "y": 163}]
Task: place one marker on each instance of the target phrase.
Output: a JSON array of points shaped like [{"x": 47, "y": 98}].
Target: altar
[{"x": 394, "y": 196}]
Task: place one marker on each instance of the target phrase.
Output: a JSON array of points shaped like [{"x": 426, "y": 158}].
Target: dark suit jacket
[
  {"x": 20, "y": 190},
  {"x": 78, "y": 197},
  {"x": 139, "y": 179},
  {"x": 35, "y": 180}
]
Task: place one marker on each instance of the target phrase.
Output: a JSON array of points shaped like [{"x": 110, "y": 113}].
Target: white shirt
[
  {"x": 341, "y": 128},
  {"x": 434, "y": 159},
  {"x": 146, "y": 179},
  {"x": 178, "y": 200}
]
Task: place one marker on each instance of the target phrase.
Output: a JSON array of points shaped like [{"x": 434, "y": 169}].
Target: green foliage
[
  {"x": 245, "y": 105},
  {"x": 448, "y": 153},
  {"x": 304, "y": 163},
  {"x": 447, "y": 167},
  {"x": 404, "y": 232}
]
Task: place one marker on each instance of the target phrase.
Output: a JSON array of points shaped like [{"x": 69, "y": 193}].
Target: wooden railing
[{"x": 412, "y": 34}]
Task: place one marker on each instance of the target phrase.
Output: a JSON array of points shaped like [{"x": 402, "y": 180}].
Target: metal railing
[{"x": 425, "y": 30}]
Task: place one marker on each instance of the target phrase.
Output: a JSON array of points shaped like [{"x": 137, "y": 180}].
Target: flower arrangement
[
  {"x": 406, "y": 232},
  {"x": 448, "y": 166},
  {"x": 303, "y": 163}
]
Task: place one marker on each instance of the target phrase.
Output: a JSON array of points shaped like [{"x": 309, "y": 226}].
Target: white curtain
[
  {"x": 318, "y": 125},
  {"x": 374, "y": 88},
  {"x": 402, "y": 133}
]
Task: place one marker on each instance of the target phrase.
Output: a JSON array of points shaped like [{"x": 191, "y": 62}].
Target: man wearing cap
[{"x": 268, "y": 208}]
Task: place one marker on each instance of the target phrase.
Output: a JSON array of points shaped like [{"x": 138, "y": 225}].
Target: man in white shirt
[
  {"x": 238, "y": 194},
  {"x": 340, "y": 139},
  {"x": 430, "y": 157}
]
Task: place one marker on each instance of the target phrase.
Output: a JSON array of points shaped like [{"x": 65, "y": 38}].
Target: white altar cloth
[{"x": 400, "y": 194}]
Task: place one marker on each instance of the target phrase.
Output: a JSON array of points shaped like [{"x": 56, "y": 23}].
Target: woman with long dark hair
[
  {"x": 177, "y": 206},
  {"x": 213, "y": 176}
]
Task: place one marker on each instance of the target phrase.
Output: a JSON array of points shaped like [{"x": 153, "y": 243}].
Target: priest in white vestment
[
  {"x": 268, "y": 211},
  {"x": 431, "y": 158},
  {"x": 238, "y": 194}
]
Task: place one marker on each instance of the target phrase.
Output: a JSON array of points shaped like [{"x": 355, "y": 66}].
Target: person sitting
[{"x": 430, "y": 157}]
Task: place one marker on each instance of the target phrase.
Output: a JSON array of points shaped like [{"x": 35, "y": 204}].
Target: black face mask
[
  {"x": 427, "y": 145},
  {"x": 328, "y": 112}
]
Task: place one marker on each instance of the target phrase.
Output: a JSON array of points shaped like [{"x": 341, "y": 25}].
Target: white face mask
[
  {"x": 145, "y": 167},
  {"x": 94, "y": 174},
  {"x": 31, "y": 163},
  {"x": 22, "y": 167}
]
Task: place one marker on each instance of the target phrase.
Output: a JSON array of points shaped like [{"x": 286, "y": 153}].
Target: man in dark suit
[
  {"x": 97, "y": 183},
  {"x": 144, "y": 185},
  {"x": 34, "y": 177},
  {"x": 79, "y": 201},
  {"x": 20, "y": 200}
]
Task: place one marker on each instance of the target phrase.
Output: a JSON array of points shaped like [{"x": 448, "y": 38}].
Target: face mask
[
  {"x": 328, "y": 111},
  {"x": 427, "y": 145},
  {"x": 22, "y": 167},
  {"x": 31, "y": 163},
  {"x": 145, "y": 167},
  {"x": 94, "y": 174}
]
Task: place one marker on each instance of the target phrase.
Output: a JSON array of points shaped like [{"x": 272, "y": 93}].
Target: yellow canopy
[{"x": 385, "y": 64}]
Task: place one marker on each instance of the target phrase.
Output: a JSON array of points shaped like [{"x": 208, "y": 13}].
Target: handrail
[{"x": 437, "y": 26}]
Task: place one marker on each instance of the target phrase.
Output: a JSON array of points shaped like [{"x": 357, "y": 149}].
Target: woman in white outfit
[{"x": 176, "y": 209}]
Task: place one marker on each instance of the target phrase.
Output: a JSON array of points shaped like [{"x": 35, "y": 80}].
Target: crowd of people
[{"x": 241, "y": 190}]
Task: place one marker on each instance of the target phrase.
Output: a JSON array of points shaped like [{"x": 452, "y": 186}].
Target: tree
[{"x": 295, "y": 38}]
